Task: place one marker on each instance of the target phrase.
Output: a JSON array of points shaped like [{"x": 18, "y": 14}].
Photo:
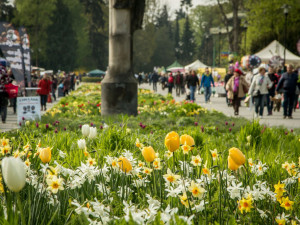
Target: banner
[
  {"x": 11, "y": 49},
  {"x": 25, "y": 44}
]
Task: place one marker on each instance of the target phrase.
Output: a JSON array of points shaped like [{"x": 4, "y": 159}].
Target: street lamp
[
  {"x": 246, "y": 27},
  {"x": 206, "y": 35},
  {"x": 285, "y": 8},
  {"x": 219, "y": 46}
]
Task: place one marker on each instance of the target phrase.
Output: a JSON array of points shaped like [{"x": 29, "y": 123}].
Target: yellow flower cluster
[
  {"x": 284, "y": 202},
  {"x": 245, "y": 204},
  {"x": 292, "y": 168},
  {"x": 4, "y": 146}
]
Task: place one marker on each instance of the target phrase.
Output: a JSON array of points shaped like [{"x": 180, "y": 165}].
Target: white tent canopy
[
  {"x": 195, "y": 65},
  {"x": 277, "y": 49}
]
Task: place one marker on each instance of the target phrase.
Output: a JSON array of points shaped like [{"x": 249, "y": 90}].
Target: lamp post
[
  {"x": 246, "y": 27},
  {"x": 285, "y": 8},
  {"x": 206, "y": 47},
  {"x": 219, "y": 46}
]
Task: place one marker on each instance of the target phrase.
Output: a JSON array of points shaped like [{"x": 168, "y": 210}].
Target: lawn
[{"x": 174, "y": 163}]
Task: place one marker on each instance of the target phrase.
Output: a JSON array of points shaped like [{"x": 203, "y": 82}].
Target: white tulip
[
  {"x": 93, "y": 132},
  {"x": 81, "y": 144},
  {"x": 85, "y": 130},
  {"x": 14, "y": 173}
]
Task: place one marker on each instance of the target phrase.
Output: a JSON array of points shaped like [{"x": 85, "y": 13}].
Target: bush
[{"x": 91, "y": 79}]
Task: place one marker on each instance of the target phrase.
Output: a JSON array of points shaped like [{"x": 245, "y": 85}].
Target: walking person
[
  {"x": 288, "y": 82},
  {"x": 259, "y": 90},
  {"x": 54, "y": 86},
  {"x": 226, "y": 79},
  {"x": 170, "y": 83},
  {"x": 44, "y": 90},
  {"x": 274, "y": 80},
  {"x": 13, "y": 100},
  {"x": 67, "y": 84},
  {"x": 4, "y": 79},
  {"x": 192, "y": 83},
  {"x": 178, "y": 83},
  {"x": 237, "y": 88},
  {"x": 206, "y": 82},
  {"x": 154, "y": 81}
]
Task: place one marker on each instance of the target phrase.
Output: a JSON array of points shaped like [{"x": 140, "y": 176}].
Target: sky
[{"x": 175, "y": 4}]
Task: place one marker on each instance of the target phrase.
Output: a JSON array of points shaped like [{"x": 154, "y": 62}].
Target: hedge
[{"x": 91, "y": 79}]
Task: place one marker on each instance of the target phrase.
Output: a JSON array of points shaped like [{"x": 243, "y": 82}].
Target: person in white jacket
[{"x": 259, "y": 90}]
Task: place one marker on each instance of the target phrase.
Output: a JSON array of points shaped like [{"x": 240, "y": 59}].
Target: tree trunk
[
  {"x": 236, "y": 26},
  {"x": 119, "y": 87}
]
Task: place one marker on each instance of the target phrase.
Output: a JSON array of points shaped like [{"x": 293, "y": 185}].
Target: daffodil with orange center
[
  {"x": 147, "y": 170},
  {"x": 27, "y": 162},
  {"x": 186, "y": 148},
  {"x": 141, "y": 164},
  {"x": 55, "y": 184},
  {"x": 4, "y": 142},
  {"x": 205, "y": 170},
  {"x": 171, "y": 177},
  {"x": 214, "y": 154},
  {"x": 196, "y": 190},
  {"x": 184, "y": 200},
  {"x": 196, "y": 160},
  {"x": 280, "y": 221},
  {"x": 250, "y": 162},
  {"x": 286, "y": 165},
  {"x": 91, "y": 162},
  {"x": 287, "y": 204},
  {"x": 245, "y": 205},
  {"x": 138, "y": 143},
  {"x": 187, "y": 140},
  {"x": 114, "y": 163},
  {"x": 156, "y": 164}
]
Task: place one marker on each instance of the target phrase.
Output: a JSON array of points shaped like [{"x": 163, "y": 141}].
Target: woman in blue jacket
[{"x": 206, "y": 82}]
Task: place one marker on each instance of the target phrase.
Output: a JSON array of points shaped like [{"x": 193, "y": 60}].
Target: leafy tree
[
  {"x": 36, "y": 16},
  {"x": 61, "y": 40},
  {"x": 187, "y": 40},
  {"x": 6, "y": 11},
  {"x": 97, "y": 19},
  {"x": 177, "y": 40},
  {"x": 143, "y": 48},
  {"x": 266, "y": 22}
]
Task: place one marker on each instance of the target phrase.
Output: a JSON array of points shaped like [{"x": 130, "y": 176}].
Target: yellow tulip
[
  {"x": 124, "y": 164},
  {"x": 172, "y": 141},
  {"x": 231, "y": 164},
  {"x": 187, "y": 140},
  {"x": 237, "y": 156},
  {"x": 148, "y": 153},
  {"x": 45, "y": 155}
]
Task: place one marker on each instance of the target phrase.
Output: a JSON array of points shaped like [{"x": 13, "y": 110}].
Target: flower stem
[{"x": 20, "y": 208}]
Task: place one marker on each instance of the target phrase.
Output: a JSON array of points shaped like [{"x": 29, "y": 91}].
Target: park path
[
  {"x": 11, "y": 119},
  {"x": 219, "y": 104}
]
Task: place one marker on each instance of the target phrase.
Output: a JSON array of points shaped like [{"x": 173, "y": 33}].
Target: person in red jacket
[{"x": 44, "y": 90}]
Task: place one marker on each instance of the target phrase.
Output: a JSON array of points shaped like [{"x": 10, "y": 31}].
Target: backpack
[{"x": 171, "y": 79}]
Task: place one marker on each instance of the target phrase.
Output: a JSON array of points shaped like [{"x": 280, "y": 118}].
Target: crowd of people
[
  {"x": 47, "y": 86},
  {"x": 259, "y": 88}
]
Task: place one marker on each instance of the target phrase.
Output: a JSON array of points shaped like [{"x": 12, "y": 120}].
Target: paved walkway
[
  {"x": 11, "y": 119},
  {"x": 219, "y": 104}
]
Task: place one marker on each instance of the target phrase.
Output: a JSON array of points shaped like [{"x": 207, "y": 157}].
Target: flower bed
[{"x": 175, "y": 163}]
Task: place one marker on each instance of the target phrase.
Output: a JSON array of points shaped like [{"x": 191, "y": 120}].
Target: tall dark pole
[
  {"x": 219, "y": 47},
  {"x": 285, "y": 32},
  {"x": 285, "y": 8}
]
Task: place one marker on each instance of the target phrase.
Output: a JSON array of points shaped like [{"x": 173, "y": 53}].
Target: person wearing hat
[
  {"x": 259, "y": 87},
  {"x": 237, "y": 88}
]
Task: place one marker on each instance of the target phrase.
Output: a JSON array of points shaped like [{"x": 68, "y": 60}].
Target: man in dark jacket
[
  {"x": 288, "y": 82},
  {"x": 192, "y": 83},
  {"x": 226, "y": 79},
  {"x": 155, "y": 80}
]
